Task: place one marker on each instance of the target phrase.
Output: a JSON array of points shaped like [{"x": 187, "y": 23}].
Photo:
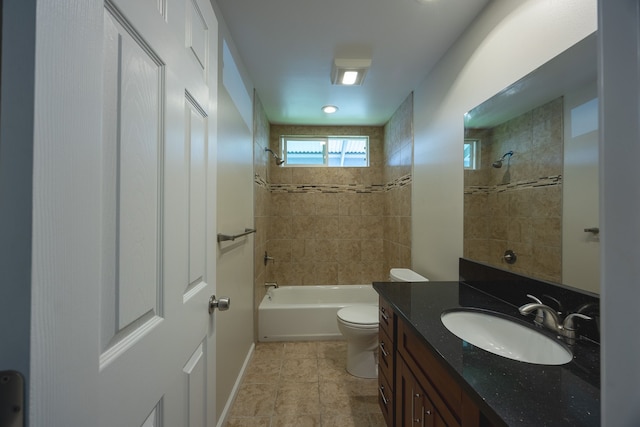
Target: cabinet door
[{"x": 414, "y": 408}]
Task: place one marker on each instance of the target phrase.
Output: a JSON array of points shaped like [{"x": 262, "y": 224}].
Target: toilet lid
[
  {"x": 359, "y": 314},
  {"x": 406, "y": 275}
]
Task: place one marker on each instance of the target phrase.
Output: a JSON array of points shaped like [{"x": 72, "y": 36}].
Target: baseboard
[{"x": 234, "y": 391}]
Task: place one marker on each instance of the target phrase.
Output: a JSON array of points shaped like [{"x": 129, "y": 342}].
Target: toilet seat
[{"x": 359, "y": 316}]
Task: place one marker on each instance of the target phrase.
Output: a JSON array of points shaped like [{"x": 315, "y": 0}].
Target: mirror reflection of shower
[
  {"x": 278, "y": 160},
  {"x": 498, "y": 163}
]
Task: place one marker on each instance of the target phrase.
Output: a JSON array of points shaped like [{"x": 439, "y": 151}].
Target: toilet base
[{"x": 362, "y": 362}]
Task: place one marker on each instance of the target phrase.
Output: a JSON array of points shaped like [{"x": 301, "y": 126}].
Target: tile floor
[{"x": 300, "y": 384}]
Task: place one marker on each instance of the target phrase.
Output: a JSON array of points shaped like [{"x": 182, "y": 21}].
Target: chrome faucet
[
  {"x": 550, "y": 319},
  {"x": 270, "y": 284}
]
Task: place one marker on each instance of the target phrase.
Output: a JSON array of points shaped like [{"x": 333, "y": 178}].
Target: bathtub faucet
[
  {"x": 269, "y": 284},
  {"x": 268, "y": 258}
]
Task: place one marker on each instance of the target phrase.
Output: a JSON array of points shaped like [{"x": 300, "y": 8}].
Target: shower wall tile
[
  {"x": 340, "y": 225},
  {"x": 349, "y": 251},
  {"x": 327, "y": 204},
  {"x": 372, "y": 227},
  {"x": 326, "y": 273},
  {"x": 326, "y": 250},
  {"x": 280, "y": 228}
]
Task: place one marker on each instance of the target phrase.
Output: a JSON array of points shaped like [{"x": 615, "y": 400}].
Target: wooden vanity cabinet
[{"x": 415, "y": 388}]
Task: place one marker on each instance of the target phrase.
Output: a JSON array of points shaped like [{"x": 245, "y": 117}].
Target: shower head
[
  {"x": 498, "y": 163},
  {"x": 278, "y": 160}
]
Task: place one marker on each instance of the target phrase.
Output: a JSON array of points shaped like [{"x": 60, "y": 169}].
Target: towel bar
[{"x": 225, "y": 237}]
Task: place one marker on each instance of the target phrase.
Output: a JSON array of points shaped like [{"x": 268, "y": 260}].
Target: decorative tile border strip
[
  {"x": 260, "y": 182},
  {"x": 333, "y": 188},
  {"x": 547, "y": 181}
]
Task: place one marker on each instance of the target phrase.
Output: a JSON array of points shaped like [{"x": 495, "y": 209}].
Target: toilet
[{"x": 358, "y": 324}]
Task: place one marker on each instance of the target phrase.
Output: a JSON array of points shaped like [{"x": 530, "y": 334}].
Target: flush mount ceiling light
[
  {"x": 349, "y": 72},
  {"x": 329, "y": 109}
]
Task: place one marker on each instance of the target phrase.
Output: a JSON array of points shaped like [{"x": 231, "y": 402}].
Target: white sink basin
[{"x": 505, "y": 338}]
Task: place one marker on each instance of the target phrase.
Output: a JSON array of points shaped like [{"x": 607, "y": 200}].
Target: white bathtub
[{"x": 304, "y": 313}]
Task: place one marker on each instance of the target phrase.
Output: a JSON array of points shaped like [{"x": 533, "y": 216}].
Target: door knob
[{"x": 222, "y": 304}]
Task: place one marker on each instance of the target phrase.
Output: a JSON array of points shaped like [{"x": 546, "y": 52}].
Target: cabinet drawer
[
  {"x": 386, "y": 317},
  {"x": 385, "y": 399},
  {"x": 385, "y": 355}
]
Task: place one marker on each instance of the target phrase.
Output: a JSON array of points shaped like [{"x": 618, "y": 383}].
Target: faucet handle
[
  {"x": 568, "y": 321},
  {"x": 536, "y": 299},
  {"x": 560, "y": 308},
  {"x": 569, "y": 328},
  {"x": 539, "y": 320}
]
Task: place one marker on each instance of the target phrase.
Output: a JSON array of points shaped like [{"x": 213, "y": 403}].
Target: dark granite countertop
[{"x": 508, "y": 391}]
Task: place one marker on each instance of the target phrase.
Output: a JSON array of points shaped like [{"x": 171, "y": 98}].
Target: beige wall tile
[
  {"x": 321, "y": 235},
  {"x": 349, "y": 251},
  {"x": 349, "y": 227},
  {"x": 326, "y": 250},
  {"x": 327, "y": 227},
  {"x": 304, "y": 227},
  {"x": 327, "y": 204},
  {"x": 326, "y": 273},
  {"x": 372, "y": 227},
  {"x": 349, "y": 204},
  {"x": 302, "y": 204}
]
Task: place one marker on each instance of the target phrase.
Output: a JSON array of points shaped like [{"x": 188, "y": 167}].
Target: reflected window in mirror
[{"x": 471, "y": 150}]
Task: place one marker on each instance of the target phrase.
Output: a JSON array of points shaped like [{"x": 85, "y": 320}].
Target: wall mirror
[{"x": 531, "y": 173}]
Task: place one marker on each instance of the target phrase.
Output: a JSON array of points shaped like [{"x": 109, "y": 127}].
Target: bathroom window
[
  {"x": 471, "y": 154},
  {"x": 326, "y": 151}
]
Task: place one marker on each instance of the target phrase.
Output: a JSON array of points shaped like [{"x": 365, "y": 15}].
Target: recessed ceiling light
[{"x": 329, "y": 109}]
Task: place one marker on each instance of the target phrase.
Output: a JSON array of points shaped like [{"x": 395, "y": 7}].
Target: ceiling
[{"x": 288, "y": 47}]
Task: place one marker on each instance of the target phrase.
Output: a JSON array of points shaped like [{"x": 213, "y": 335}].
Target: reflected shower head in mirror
[
  {"x": 498, "y": 163},
  {"x": 279, "y": 161}
]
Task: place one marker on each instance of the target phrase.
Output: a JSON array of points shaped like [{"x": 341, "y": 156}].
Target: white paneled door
[
  {"x": 156, "y": 337},
  {"x": 148, "y": 340}
]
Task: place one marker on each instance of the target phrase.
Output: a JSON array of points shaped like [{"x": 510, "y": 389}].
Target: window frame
[{"x": 325, "y": 139}]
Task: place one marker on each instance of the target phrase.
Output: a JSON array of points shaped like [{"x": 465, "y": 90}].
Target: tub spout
[{"x": 270, "y": 284}]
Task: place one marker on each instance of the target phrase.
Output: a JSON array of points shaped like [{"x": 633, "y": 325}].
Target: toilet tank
[{"x": 405, "y": 275}]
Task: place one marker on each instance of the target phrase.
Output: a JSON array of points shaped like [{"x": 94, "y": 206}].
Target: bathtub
[{"x": 305, "y": 313}]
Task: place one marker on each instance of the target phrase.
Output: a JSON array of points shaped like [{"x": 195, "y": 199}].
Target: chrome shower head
[
  {"x": 498, "y": 163},
  {"x": 278, "y": 160}
]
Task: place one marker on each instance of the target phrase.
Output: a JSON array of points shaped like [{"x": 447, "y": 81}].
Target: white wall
[
  {"x": 508, "y": 40},
  {"x": 581, "y": 250},
  {"x": 234, "y": 275}
]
